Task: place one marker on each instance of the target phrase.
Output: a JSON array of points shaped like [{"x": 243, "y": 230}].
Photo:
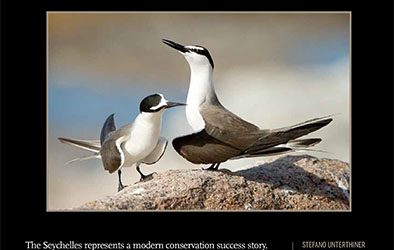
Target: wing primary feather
[{"x": 108, "y": 127}]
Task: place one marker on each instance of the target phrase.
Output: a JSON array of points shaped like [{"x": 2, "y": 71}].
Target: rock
[{"x": 288, "y": 183}]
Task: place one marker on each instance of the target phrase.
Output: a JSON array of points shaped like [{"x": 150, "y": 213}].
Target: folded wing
[{"x": 157, "y": 153}]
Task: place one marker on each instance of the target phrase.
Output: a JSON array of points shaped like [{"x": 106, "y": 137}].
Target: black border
[{"x": 23, "y": 138}]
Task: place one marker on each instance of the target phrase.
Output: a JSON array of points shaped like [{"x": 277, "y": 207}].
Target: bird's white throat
[{"x": 201, "y": 87}]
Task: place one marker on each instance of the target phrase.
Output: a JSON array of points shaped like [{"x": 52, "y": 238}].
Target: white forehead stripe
[{"x": 194, "y": 47}]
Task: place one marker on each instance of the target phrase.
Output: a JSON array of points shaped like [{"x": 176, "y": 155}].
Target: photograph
[{"x": 198, "y": 111}]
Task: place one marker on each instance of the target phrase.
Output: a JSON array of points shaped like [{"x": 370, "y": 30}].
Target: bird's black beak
[
  {"x": 173, "y": 104},
  {"x": 175, "y": 45}
]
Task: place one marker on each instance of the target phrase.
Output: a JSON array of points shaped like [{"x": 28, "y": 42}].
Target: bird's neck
[
  {"x": 152, "y": 118},
  {"x": 201, "y": 85},
  {"x": 143, "y": 135},
  {"x": 149, "y": 122}
]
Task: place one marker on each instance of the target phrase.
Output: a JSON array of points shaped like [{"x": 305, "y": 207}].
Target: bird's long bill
[
  {"x": 175, "y": 45},
  {"x": 174, "y": 104}
]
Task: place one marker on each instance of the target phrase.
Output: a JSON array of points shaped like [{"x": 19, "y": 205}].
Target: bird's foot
[
  {"x": 121, "y": 187},
  {"x": 209, "y": 169},
  {"x": 148, "y": 177}
]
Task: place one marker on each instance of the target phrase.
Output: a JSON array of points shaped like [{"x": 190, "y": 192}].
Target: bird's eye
[{"x": 194, "y": 50}]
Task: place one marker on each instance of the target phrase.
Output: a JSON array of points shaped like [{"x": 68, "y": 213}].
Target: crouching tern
[
  {"x": 135, "y": 143},
  {"x": 221, "y": 135}
]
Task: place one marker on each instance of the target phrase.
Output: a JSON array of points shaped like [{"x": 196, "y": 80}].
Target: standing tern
[
  {"x": 220, "y": 135},
  {"x": 135, "y": 143}
]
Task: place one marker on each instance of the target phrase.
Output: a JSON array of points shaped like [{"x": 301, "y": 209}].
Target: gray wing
[
  {"x": 111, "y": 150},
  {"x": 227, "y": 127},
  {"x": 231, "y": 129},
  {"x": 157, "y": 153},
  {"x": 111, "y": 154}
]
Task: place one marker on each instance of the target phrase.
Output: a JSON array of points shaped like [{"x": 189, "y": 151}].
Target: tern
[
  {"x": 135, "y": 143},
  {"x": 220, "y": 135}
]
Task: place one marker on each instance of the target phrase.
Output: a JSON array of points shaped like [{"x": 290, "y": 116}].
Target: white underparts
[
  {"x": 200, "y": 87},
  {"x": 143, "y": 136}
]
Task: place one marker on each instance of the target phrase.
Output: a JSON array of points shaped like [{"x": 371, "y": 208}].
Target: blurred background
[{"x": 273, "y": 69}]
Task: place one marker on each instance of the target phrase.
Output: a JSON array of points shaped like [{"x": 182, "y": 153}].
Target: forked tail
[{"x": 91, "y": 145}]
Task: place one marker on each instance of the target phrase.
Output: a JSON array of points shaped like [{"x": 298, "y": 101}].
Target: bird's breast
[
  {"x": 194, "y": 117},
  {"x": 141, "y": 143}
]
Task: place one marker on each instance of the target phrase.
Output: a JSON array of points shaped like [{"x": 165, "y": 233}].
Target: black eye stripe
[
  {"x": 199, "y": 51},
  {"x": 204, "y": 52}
]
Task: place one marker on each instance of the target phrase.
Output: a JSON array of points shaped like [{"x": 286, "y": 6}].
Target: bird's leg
[
  {"x": 144, "y": 177},
  {"x": 212, "y": 167},
  {"x": 120, "y": 185}
]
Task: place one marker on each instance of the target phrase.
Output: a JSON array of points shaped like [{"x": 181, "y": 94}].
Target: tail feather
[
  {"x": 291, "y": 145},
  {"x": 302, "y": 143},
  {"x": 90, "y": 145},
  {"x": 264, "y": 152},
  {"x": 299, "y": 145},
  {"x": 95, "y": 156}
]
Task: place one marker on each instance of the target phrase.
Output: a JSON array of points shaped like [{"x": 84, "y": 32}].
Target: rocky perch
[{"x": 288, "y": 183}]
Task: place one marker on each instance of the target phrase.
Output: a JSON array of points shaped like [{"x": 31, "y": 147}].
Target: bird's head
[
  {"x": 157, "y": 103},
  {"x": 194, "y": 54}
]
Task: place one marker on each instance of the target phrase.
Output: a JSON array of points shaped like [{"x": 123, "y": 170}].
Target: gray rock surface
[{"x": 288, "y": 183}]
